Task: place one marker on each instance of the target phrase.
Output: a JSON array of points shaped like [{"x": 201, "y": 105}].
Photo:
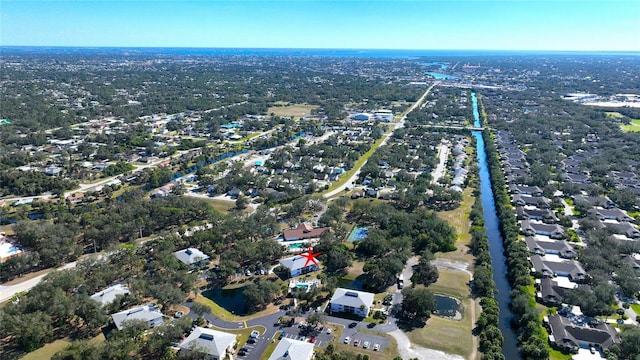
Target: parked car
[
  {"x": 347, "y": 339},
  {"x": 282, "y": 334},
  {"x": 255, "y": 333},
  {"x": 366, "y": 345},
  {"x": 376, "y": 347},
  {"x": 356, "y": 342}
]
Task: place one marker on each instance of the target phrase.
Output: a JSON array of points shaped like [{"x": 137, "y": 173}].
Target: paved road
[
  {"x": 439, "y": 171},
  {"x": 8, "y": 291},
  {"x": 385, "y": 138}
]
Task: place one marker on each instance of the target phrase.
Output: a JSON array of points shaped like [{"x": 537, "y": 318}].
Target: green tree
[{"x": 418, "y": 302}]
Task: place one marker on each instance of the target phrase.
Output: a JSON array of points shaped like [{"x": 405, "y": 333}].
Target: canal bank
[{"x": 496, "y": 247}]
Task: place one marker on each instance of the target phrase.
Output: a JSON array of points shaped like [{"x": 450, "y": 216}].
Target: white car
[
  {"x": 366, "y": 345},
  {"x": 347, "y": 339},
  {"x": 328, "y": 331},
  {"x": 376, "y": 347},
  {"x": 255, "y": 333}
]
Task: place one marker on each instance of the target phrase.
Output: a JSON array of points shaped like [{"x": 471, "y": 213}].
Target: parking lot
[
  {"x": 320, "y": 336},
  {"x": 362, "y": 338}
]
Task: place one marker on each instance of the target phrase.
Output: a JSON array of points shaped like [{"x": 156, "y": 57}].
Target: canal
[{"x": 496, "y": 247}]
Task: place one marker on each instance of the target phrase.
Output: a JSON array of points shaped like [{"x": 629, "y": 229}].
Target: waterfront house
[{"x": 569, "y": 336}]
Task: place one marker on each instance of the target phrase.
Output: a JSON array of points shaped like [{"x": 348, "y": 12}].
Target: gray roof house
[
  {"x": 109, "y": 294},
  {"x": 601, "y": 201},
  {"x": 290, "y": 349},
  {"x": 526, "y": 200},
  {"x": 569, "y": 336},
  {"x": 560, "y": 248},
  {"x": 570, "y": 268},
  {"x": 215, "y": 343},
  {"x": 525, "y": 190},
  {"x": 553, "y": 231},
  {"x": 351, "y": 301},
  {"x": 624, "y": 228},
  {"x": 148, "y": 313},
  {"x": 610, "y": 214},
  {"x": 550, "y": 293},
  {"x": 192, "y": 257},
  {"x": 544, "y": 215}
]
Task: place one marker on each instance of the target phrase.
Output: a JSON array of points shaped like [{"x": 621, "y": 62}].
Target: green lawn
[
  {"x": 450, "y": 336},
  {"x": 636, "y": 308},
  {"x": 633, "y": 127},
  {"x": 47, "y": 351}
]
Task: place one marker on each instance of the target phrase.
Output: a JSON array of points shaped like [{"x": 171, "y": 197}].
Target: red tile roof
[{"x": 304, "y": 231}]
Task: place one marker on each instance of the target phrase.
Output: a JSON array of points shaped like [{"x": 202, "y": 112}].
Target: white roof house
[
  {"x": 7, "y": 250},
  {"x": 109, "y": 294},
  {"x": 351, "y": 301},
  {"x": 191, "y": 256},
  {"x": 289, "y": 349},
  {"x": 148, "y": 313},
  {"x": 296, "y": 265},
  {"x": 214, "y": 343}
]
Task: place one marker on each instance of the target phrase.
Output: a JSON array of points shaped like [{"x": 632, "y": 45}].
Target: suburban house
[
  {"x": 148, "y": 313},
  {"x": 569, "y": 268},
  {"x": 299, "y": 265},
  {"x": 569, "y": 336},
  {"x": 304, "y": 231},
  {"x": 544, "y": 215},
  {"x": 609, "y": 214},
  {"x": 624, "y": 228},
  {"x": 601, "y": 201},
  {"x": 553, "y": 231},
  {"x": 351, "y": 301},
  {"x": 560, "y": 248},
  {"x": 551, "y": 293},
  {"x": 192, "y": 257},
  {"x": 526, "y": 200},
  {"x": 290, "y": 349},
  {"x": 109, "y": 294},
  {"x": 525, "y": 190},
  {"x": 216, "y": 344}
]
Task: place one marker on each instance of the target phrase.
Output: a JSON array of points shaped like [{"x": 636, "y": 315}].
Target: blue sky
[{"x": 371, "y": 24}]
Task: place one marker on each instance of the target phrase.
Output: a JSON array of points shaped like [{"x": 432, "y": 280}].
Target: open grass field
[
  {"x": 453, "y": 283},
  {"x": 47, "y": 351},
  {"x": 459, "y": 219},
  {"x": 450, "y": 336},
  {"x": 220, "y": 205},
  {"x": 293, "y": 110},
  {"x": 633, "y": 127}
]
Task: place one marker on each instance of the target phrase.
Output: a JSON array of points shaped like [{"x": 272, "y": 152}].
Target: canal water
[{"x": 496, "y": 247}]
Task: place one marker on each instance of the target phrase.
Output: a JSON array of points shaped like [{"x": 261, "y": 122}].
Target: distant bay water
[{"x": 357, "y": 53}]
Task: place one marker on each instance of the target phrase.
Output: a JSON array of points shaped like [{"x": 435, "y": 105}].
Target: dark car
[
  {"x": 282, "y": 334},
  {"x": 353, "y": 324}
]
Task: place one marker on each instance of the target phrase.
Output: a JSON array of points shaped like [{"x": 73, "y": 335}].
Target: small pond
[
  {"x": 355, "y": 284},
  {"x": 447, "y": 306},
  {"x": 231, "y": 300}
]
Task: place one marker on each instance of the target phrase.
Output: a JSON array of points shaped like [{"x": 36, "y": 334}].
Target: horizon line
[{"x": 309, "y": 48}]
